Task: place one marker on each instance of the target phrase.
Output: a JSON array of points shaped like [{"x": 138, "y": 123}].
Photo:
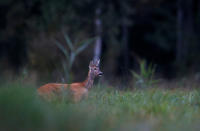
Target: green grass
[{"x": 105, "y": 109}]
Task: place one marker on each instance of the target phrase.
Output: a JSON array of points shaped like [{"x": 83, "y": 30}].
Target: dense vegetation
[
  {"x": 164, "y": 32},
  {"x": 105, "y": 109}
]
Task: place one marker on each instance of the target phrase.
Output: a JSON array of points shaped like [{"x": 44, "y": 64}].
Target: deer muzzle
[{"x": 100, "y": 73}]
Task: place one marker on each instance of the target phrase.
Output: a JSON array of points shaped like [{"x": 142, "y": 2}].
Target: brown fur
[{"x": 78, "y": 89}]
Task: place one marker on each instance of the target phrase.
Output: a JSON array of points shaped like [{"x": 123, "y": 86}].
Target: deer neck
[{"x": 89, "y": 81}]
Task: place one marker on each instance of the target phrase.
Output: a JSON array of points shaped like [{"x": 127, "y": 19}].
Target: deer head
[{"x": 94, "y": 68}]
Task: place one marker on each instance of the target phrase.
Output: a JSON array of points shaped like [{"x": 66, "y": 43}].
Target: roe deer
[{"x": 78, "y": 89}]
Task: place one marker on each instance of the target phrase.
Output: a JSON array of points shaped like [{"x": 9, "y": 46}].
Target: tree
[
  {"x": 126, "y": 10},
  {"x": 185, "y": 30},
  {"x": 179, "y": 47},
  {"x": 98, "y": 28}
]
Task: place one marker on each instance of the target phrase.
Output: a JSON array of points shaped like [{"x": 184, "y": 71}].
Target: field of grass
[{"x": 105, "y": 109}]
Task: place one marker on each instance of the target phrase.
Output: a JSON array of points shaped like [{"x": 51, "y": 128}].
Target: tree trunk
[
  {"x": 125, "y": 45},
  {"x": 98, "y": 30},
  {"x": 179, "y": 45},
  {"x": 189, "y": 27},
  {"x": 185, "y": 30},
  {"x": 198, "y": 18}
]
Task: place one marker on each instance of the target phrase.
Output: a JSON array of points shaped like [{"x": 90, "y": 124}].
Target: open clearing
[{"x": 105, "y": 109}]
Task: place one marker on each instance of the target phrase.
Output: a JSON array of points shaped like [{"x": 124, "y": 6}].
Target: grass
[{"x": 105, "y": 109}]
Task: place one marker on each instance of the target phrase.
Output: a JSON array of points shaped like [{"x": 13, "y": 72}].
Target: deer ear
[
  {"x": 98, "y": 61},
  {"x": 91, "y": 63}
]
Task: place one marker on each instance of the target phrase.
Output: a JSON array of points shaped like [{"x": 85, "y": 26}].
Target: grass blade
[
  {"x": 68, "y": 42},
  {"x": 84, "y": 45},
  {"x": 62, "y": 48}
]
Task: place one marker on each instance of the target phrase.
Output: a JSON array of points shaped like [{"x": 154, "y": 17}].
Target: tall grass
[
  {"x": 105, "y": 109},
  {"x": 145, "y": 77},
  {"x": 70, "y": 54}
]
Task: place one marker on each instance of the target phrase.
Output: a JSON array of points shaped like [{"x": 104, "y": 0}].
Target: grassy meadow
[{"x": 105, "y": 109}]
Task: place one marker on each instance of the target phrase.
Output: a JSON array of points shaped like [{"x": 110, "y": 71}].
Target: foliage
[
  {"x": 151, "y": 25},
  {"x": 164, "y": 36},
  {"x": 145, "y": 78},
  {"x": 71, "y": 53},
  {"x": 105, "y": 109}
]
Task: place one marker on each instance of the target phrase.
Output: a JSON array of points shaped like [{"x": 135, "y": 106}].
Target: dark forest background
[{"x": 163, "y": 32}]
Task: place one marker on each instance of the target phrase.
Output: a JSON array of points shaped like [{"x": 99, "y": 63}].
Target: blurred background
[{"x": 53, "y": 41}]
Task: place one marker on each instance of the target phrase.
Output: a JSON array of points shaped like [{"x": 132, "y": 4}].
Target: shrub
[{"x": 145, "y": 78}]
